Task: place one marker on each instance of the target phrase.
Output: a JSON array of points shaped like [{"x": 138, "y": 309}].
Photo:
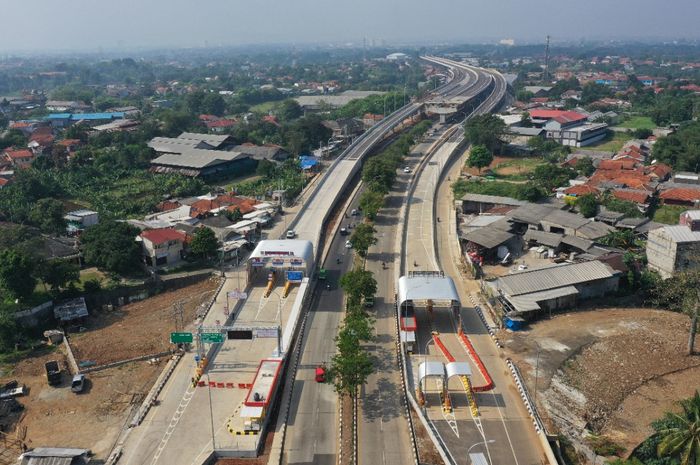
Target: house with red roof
[
  {"x": 19, "y": 158},
  {"x": 568, "y": 127},
  {"x": 638, "y": 196},
  {"x": 220, "y": 125},
  {"x": 162, "y": 247},
  {"x": 581, "y": 189},
  {"x": 681, "y": 196}
]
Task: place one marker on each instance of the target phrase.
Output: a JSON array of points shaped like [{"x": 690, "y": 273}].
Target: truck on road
[{"x": 53, "y": 372}]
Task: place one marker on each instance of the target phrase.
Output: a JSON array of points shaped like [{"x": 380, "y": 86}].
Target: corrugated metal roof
[
  {"x": 196, "y": 158},
  {"x": 529, "y": 302},
  {"x": 530, "y": 213},
  {"x": 488, "y": 237},
  {"x": 693, "y": 214},
  {"x": 577, "y": 242},
  {"x": 566, "y": 219},
  {"x": 553, "y": 277},
  {"x": 497, "y": 199},
  {"x": 594, "y": 230},
  {"x": 210, "y": 139},
  {"x": 543, "y": 237},
  {"x": 681, "y": 234}
]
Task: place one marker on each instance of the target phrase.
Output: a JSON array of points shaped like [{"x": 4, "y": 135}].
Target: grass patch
[
  {"x": 638, "y": 122},
  {"x": 230, "y": 184},
  {"x": 612, "y": 143},
  {"x": 8, "y": 360},
  {"x": 668, "y": 214},
  {"x": 516, "y": 169},
  {"x": 265, "y": 107},
  {"x": 500, "y": 188},
  {"x": 604, "y": 446}
]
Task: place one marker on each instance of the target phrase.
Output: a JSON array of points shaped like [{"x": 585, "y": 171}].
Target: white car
[
  {"x": 291, "y": 234},
  {"x": 407, "y": 170},
  {"x": 348, "y": 244}
]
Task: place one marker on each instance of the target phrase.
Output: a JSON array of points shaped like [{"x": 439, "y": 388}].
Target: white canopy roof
[
  {"x": 430, "y": 368},
  {"x": 458, "y": 369},
  {"x": 435, "y": 288},
  {"x": 291, "y": 247}
]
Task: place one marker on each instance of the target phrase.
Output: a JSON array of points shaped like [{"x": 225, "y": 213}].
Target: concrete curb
[
  {"x": 340, "y": 431},
  {"x": 532, "y": 410}
]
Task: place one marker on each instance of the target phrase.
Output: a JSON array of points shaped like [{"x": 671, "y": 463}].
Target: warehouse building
[{"x": 528, "y": 294}]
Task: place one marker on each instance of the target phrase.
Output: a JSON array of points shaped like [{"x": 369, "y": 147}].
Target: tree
[
  {"x": 680, "y": 293},
  {"x": 112, "y": 246},
  {"x": 8, "y": 327},
  {"x": 233, "y": 215},
  {"x": 585, "y": 166},
  {"x": 351, "y": 365},
  {"x": 363, "y": 238},
  {"x": 488, "y": 130},
  {"x": 549, "y": 176},
  {"x": 587, "y": 205},
  {"x": 622, "y": 239},
  {"x": 479, "y": 157},
  {"x": 358, "y": 284},
  {"x": 643, "y": 133},
  {"x": 266, "y": 168},
  {"x": 525, "y": 120},
  {"x": 17, "y": 274},
  {"x": 47, "y": 214},
  {"x": 371, "y": 202},
  {"x": 289, "y": 110},
  {"x": 204, "y": 242},
  {"x": 213, "y": 104},
  {"x": 682, "y": 441},
  {"x": 58, "y": 273}
]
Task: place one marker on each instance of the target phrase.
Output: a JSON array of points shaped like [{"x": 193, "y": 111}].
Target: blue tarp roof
[
  {"x": 87, "y": 116},
  {"x": 308, "y": 162}
]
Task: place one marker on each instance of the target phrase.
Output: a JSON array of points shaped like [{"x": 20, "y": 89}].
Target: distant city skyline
[{"x": 88, "y": 25}]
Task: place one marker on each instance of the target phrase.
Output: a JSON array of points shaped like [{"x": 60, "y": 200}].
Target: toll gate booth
[
  {"x": 280, "y": 262},
  {"x": 261, "y": 395}
]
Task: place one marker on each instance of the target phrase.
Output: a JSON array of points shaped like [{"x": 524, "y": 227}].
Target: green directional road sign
[
  {"x": 178, "y": 338},
  {"x": 212, "y": 338}
]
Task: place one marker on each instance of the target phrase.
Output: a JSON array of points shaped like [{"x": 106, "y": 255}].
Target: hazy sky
[{"x": 90, "y": 24}]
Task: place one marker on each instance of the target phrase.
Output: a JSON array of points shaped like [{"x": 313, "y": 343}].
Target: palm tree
[{"x": 683, "y": 440}]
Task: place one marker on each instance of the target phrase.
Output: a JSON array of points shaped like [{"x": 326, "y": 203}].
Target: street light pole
[{"x": 490, "y": 441}]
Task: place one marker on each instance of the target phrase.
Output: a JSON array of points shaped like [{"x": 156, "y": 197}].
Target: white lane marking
[
  {"x": 184, "y": 402},
  {"x": 505, "y": 427}
]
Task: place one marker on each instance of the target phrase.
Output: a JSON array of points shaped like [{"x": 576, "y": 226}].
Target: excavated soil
[{"x": 612, "y": 371}]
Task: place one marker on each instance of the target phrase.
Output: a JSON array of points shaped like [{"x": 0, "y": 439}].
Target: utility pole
[
  {"x": 179, "y": 315},
  {"x": 546, "y": 61}
]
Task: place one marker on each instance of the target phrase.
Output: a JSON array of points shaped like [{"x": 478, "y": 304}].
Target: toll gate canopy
[
  {"x": 420, "y": 287},
  {"x": 288, "y": 254}
]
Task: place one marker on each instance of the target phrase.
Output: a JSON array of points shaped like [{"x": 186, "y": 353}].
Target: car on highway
[
  {"x": 344, "y": 231},
  {"x": 353, "y": 212},
  {"x": 348, "y": 245},
  {"x": 291, "y": 234},
  {"x": 407, "y": 170},
  {"x": 320, "y": 374},
  {"x": 78, "y": 383}
]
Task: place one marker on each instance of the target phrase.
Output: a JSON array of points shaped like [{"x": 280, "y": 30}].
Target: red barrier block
[
  {"x": 229, "y": 385},
  {"x": 212, "y": 384},
  {"x": 219, "y": 385}
]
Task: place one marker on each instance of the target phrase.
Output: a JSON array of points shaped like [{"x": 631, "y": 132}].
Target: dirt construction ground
[
  {"x": 611, "y": 370},
  {"x": 54, "y": 416}
]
